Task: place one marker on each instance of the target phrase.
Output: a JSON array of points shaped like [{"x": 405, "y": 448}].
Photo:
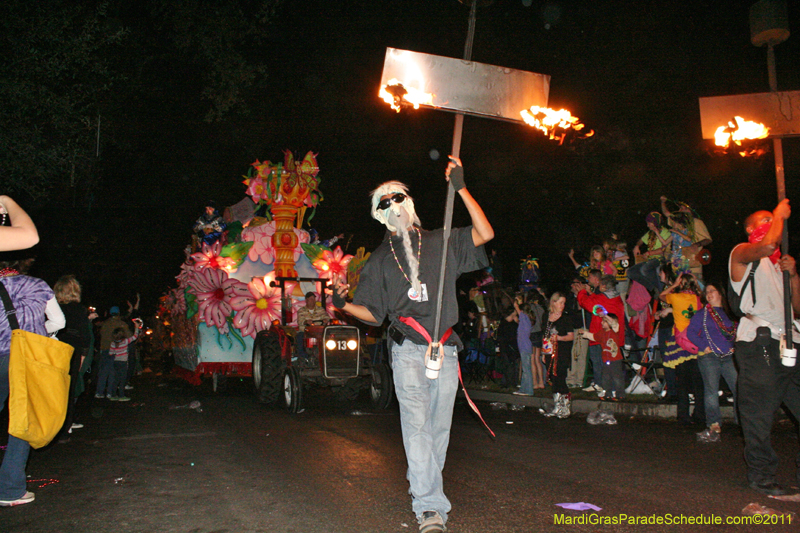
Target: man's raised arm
[{"x": 482, "y": 231}]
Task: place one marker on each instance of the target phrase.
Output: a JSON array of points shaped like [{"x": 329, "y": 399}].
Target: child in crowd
[
  {"x": 618, "y": 254},
  {"x": 119, "y": 351},
  {"x": 597, "y": 259},
  {"x": 611, "y": 338}
]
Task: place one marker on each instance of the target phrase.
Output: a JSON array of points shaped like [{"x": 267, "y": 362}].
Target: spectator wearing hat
[
  {"x": 657, "y": 240},
  {"x": 105, "y": 379}
]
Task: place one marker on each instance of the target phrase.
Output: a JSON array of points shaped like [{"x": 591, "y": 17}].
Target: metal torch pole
[
  {"x": 451, "y": 193},
  {"x": 777, "y": 145}
]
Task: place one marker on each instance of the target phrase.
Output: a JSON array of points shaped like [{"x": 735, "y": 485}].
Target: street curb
[{"x": 645, "y": 410}]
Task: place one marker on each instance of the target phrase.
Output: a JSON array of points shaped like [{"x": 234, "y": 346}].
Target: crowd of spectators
[
  {"x": 57, "y": 312},
  {"x": 648, "y": 314}
]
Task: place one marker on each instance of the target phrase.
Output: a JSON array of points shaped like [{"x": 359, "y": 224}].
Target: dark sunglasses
[{"x": 397, "y": 198}]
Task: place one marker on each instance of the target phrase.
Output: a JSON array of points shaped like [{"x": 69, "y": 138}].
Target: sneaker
[
  {"x": 123, "y": 399},
  {"x": 112, "y": 398},
  {"x": 100, "y": 396},
  {"x": 75, "y": 425},
  {"x": 431, "y": 522},
  {"x": 28, "y": 497},
  {"x": 597, "y": 387},
  {"x": 708, "y": 436},
  {"x": 590, "y": 388},
  {"x": 128, "y": 387},
  {"x": 519, "y": 393},
  {"x": 769, "y": 488},
  {"x": 601, "y": 394}
]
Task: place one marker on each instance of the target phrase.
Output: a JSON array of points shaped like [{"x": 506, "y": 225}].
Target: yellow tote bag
[{"x": 38, "y": 376}]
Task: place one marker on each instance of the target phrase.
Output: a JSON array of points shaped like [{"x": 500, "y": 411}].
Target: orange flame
[
  {"x": 554, "y": 124},
  {"x": 396, "y": 94},
  {"x": 739, "y": 130}
]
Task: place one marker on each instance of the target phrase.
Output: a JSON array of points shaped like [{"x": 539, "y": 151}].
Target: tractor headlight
[
  {"x": 330, "y": 344},
  {"x": 352, "y": 344}
]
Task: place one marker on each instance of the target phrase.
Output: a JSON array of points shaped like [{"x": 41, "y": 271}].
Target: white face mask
[
  {"x": 397, "y": 217},
  {"x": 391, "y": 189}
]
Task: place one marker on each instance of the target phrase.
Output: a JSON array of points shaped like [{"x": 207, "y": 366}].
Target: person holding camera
[
  {"x": 765, "y": 381},
  {"x": 400, "y": 281}
]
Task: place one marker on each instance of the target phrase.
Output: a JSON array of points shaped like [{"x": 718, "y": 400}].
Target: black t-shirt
[
  {"x": 383, "y": 289},
  {"x": 507, "y": 338},
  {"x": 76, "y": 328},
  {"x": 564, "y": 326}
]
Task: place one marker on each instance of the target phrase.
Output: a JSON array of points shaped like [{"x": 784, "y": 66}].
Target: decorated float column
[
  {"x": 284, "y": 240},
  {"x": 287, "y": 189}
]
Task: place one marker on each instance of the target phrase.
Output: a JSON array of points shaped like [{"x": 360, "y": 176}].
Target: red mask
[{"x": 758, "y": 235}]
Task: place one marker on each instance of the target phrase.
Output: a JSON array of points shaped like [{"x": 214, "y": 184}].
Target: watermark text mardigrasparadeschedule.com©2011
[{"x": 670, "y": 519}]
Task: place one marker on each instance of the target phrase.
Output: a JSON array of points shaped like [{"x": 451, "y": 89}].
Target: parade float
[{"x": 234, "y": 311}]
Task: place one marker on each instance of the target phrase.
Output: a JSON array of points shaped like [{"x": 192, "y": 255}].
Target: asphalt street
[{"x": 162, "y": 464}]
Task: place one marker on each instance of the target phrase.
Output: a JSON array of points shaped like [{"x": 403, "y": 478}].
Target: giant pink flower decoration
[
  {"x": 213, "y": 290},
  {"x": 210, "y": 258},
  {"x": 261, "y": 237},
  {"x": 331, "y": 263},
  {"x": 257, "y": 187},
  {"x": 256, "y": 305}
]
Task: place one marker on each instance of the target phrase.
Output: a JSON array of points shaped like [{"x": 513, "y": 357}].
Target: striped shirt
[{"x": 120, "y": 349}]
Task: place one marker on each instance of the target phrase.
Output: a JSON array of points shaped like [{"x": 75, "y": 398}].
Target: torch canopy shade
[
  {"x": 464, "y": 86},
  {"x": 778, "y": 111}
]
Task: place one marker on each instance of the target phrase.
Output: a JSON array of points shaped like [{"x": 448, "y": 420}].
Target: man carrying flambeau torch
[
  {"x": 764, "y": 381},
  {"x": 400, "y": 280}
]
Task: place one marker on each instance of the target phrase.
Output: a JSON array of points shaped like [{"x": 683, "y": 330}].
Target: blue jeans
[
  {"x": 613, "y": 379},
  {"x": 596, "y": 358},
  {"x": 119, "y": 379},
  {"x": 12, "y": 472},
  {"x": 526, "y": 383},
  {"x": 711, "y": 368},
  {"x": 426, "y": 414},
  {"x": 105, "y": 376},
  {"x": 646, "y": 273}
]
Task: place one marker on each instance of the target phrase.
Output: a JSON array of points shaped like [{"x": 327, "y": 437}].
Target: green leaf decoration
[
  {"x": 234, "y": 230},
  {"x": 314, "y": 251},
  {"x": 233, "y": 332},
  {"x": 191, "y": 304},
  {"x": 236, "y": 251}
]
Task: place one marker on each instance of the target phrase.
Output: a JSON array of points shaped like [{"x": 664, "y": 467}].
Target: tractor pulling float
[{"x": 234, "y": 312}]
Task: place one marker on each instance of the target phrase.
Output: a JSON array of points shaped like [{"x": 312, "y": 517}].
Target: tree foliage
[
  {"x": 74, "y": 72},
  {"x": 53, "y": 75}
]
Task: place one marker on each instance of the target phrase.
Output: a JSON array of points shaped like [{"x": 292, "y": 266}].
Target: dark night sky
[{"x": 631, "y": 70}]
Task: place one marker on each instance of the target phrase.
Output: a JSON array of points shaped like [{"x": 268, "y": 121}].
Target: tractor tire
[
  {"x": 381, "y": 388},
  {"x": 350, "y": 390},
  {"x": 292, "y": 391},
  {"x": 267, "y": 369}
]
